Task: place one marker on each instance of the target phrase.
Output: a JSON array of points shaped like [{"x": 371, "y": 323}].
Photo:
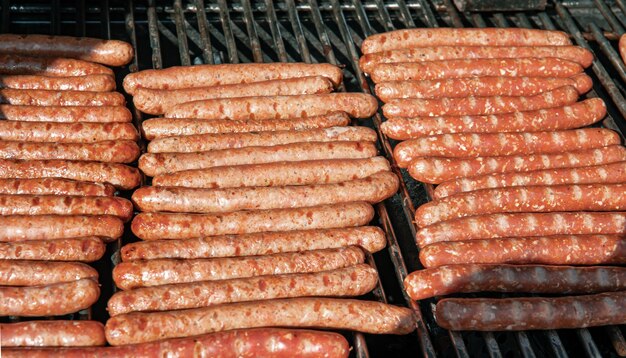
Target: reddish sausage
[
  {"x": 88, "y": 249},
  {"x": 51, "y": 227},
  {"x": 65, "y": 114},
  {"x": 55, "y": 333},
  {"x": 21, "y": 97},
  {"x": 93, "y": 83},
  {"x": 81, "y": 132},
  {"x": 38, "y": 273},
  {"x": 57, "y": 67},
  {"x": 54, "y": 186},
  {"x": 111, "y": 151},
  {"x": 65, "y": 205},
  {"x": 622, "y": 47}
]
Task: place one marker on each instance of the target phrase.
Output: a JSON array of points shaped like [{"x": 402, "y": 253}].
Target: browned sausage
[
  {"x": 107, "y": 52},
  {"x": 54, "y": 186},
  {"x": 467, "y": 278},
  {"x": 440, "y": 169},
  {"x": 51, "y": 227},
  {"x": 134, "y": 274},
  {"x": 498, "y": 144},
  {"x": 21, "y": 97},
  {"x": 531, "y": 313},
  {"x": 523, "y": 224},
  {"x": 13, "y": 64},
  {"x": 153, "y": 226},
  {"x": 55, "y": 333},
  {"x": 163, "y": 163},
  {"x": 372, "y": 189},
  {"x": 93, "y": 83},
  {"x": 87, "y": 249},
  {"x": 370, "y": 238},
  {"x": 81, "y": 132},
  {"x": 226, "y": 74},
  {"x": 110, "y": 151},
  {"x": 50, "y": 300},
  {"x": 580, "y": 114},
  {"x": 425, "y": 37},
  {"x": 156, "y": 101},
  {"x": 332, "y": 313},
  {"x": 39, "y": 273},
  {"x": 65, "y": 113},
  {"x": 65, "y": 205},
  {"x": 622, "y": 47}
]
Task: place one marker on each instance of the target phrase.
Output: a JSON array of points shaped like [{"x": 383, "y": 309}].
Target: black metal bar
[
  {"x": 588, "y": 344},
  {"x": 609, "y": 16},
  {"x": 384, "y": 15},
  {"x": 181, "y": 35},
  {"x": 6, "y": 16},
  {"x": 228, "y": 32},
  {"x": 406, "y": 14},
  {"x": 361, "y": 16},
  {"x": 80, "y": 18},
  {"x": 524, "y": 21},
  {"x": 492, "y": 345},
  {"x": 153, "y": 31},
  {"x": 500, "y": 20},
  {"x": 617, "y": 339},
  {"x": 609, "y": 51},
  {"x": 248, "y": 19},
  {"x": 453, "y": 12},
  {"x": 478, "y": 20},
  {"x": 276, "y": 35},
  {"x": 55, "y": 17},
  {"x": 106, "y": 19},
  {"x": 203, "y": 25},
  {"x": 327, "y": 46},
  {"x": 296, "y": 25},
  {"x": 524, "y": 344}
]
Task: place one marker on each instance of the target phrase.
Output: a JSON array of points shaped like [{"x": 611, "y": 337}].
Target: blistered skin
[
  {"x": 55, "y": 333},
  {"x": 134, "y": 274},
  {"x": 21, "y": 97},
  {"x": 92, "y": 83},
  {"x": 369, "y": 238},
  {"x": 81, "y": 132},
  {"x": 38, "y": 273},
  {"x": 87, "y": 249},
  {"x": 154, "y": 226},
  {"x": 54, "y": 186},
  {"x": 110, "y": 151},
  {"x": 65, "y": 114},
  {"x": 65, "y": 205},
  {"x": 51, "y": 227},
  {"x": 13, "y": 64}
]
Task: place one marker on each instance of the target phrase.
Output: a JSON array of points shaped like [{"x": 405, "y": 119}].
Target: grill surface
[{"x": 169, "y": 33}]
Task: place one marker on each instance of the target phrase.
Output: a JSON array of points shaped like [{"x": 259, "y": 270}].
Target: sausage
[
  {"x": 156, "y": 101},
  {"x": 440, "y": 169},
  {"x": 369, "y": 238},
  {"x": 111, "y": 151},
  {"x": 13, "y": 64},
  {"x": 559, "y": 97},
  {"x": 54, "y": 186},
  {"x": 39, "y": 273},
  {"x": 276, "y": 174},
  {"x": 622, "y": 47},
  {"x": 543, "y": 198},
  {"x": 134, "y": 274},
  {"x": 579, "y": 114},
  {"x": 576, "y": 54},
  {"x": 65, "y": 113},
  {"x": 119, "y": 175},
  {"x": 51, "y": 300},
  {"x": 93, "y": 83},
  {"x": 87, "y": 249},
  {"x": 57, "y": 333},
  {"x": 523, "y": 224},
  {"x": 502, "y": 67},
  {"x": 331, "y": 313},
  {"x": 21, "y": 97},
  {"x": 499, "y": 144},
  {"x": 226, "y": 74},
  {"x": 81, "y": 132},
  {"x": 65, "y": 205},
  {"x": 344, "y": 282},
  {"x": 106, "y": 52},
  {"x": 546, "y": 250},
  {"x": 207, "y": 142},
  {"x": 606, "y": 173},
  {"x": 164, "y": 163},
  {"x": 372, "y": 189},
  {"x": 425, "y": 37},
  {"x": 51, "y": 227},
  {"x": 531, "y": 313},
  {"x": 153, "y": 226}
]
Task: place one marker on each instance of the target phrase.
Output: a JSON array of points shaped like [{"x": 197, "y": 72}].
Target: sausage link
[
  {"x": 81, "y": 132},
  {"x": 134, "y": 274},
  {"x": 65, "y": 114},
  {"x": 54, "y": 186},
  {"x": 523, "y": 224},
  {"x": 547, "y": 250},
  {"x": 622, "y": 47},
  {"x": 468, "y": 278},
  {"x": 171, "y": 127},
  {"x": 65, "y": 205},
  {"x": 20, "y": 97},
  {"x": 499, "y": 144},
  {"x": 227, "y": 74},
  {"x": 580, "y": 114},
  {"x": 153, "y": 226},
  {"x": 531, "y": 313},
  {"x": 51, "y": 227},
  {"x": 372, "y": 189},
  {"x": 153, "y": 164},
  {"x": 369, "y": 238},
  {"x": 344, "y": 282},
  {"x": 156, "y": 101},
  {"x": 13, "y": 64},
  {"x": 440, "y": 169},
  {"x": 110, "y": 151},
  {"x": 88, "y": 249},
  {"x": 331, "y": 313},
  {"x": 51, "y": 300},
  {"x": 55, "y": 333},
  {"x": 39, "y": 273},
  {"x": 92, "y": 83},
  {"x": 606, "y": 173}
]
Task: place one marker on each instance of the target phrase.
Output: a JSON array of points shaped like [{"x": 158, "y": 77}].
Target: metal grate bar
[
  {"x": 384, "y": 14},
  {"x": 55, "y": 17},
  {"x": 453, "y": 13},
  {"x": 203, "y": 26},
  {"x": 617, "y": 339},
  {"x": 153, "y": 30},
  {"x": 252, "y": 32},
  {"x": 183, "y": 45},
  {"x": 276, "y": 34},
  {"x": 406, "y": 15},
  {"x": 296, "y": 26},
  {"x": 492, "y": 345},
  {"x": 327, "y": 47},
  {"x": 6, "y": 15},
  {"x": 610, "y": 18},
  {"x": 228, "y": 32},
  {"x": 105, "y": 19},
  {"x": 80, "y": 18}
]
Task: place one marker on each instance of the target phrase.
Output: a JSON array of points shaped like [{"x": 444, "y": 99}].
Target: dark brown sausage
[
  {"x": 28, "y": 97},
  {"x": 13, "y": 64},
  {"x": 65, "y": 114},
  {"x": 110, "y": 151},
  {"x": 55, "y": 333},
  {"x": 65, "y": 205},
  {"x": 51, "y": 227},
  {"x": 88, "y": 249},
  {"x": 93, "y": 83},
  {"x": 40, "y": 273},
  {"x": 81, "y": 132},
  {"x": 54, "y": 186}
]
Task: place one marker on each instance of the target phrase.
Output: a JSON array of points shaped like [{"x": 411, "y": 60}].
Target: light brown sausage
[
  {"x": 51, "y": 227},
  {"x": 54, "y": 186},
  {"x": 22, "y": 97},
  {"x": 82, "y": 132},
  {"x": 56, "y": 333},
  {"x": 153, "y": 226},
  {"x": 87, "y": 249},
  {"x": 65, "y": 205},
  {"x": 93, "y": 83},
  {"x": 110, "y": 151},
  {"x": 13, "y": 64},
  {"x": 622, "y": 47},
  {"x": 65, "y": 114},
  {"x": 40, "y": 273}
]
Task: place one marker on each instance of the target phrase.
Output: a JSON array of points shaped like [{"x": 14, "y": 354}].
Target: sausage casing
[
  {"x": 50, "y": 67},
  {"x": 55, "y": 333},
  {"x": 110, "y": 151},
  {"x": 39, "y": 273},
  {"x": 30, "y": 97},
  {"x": 86, "y": 249},
  {"x": 80, "y": 132},
  {"x": 54, "y": 186},
  {"x": 51, "y": 227},
  {"x": 65, "y": 205},
  {"x": 65, "y": 114},
  {"x": 92, "y": 83}
]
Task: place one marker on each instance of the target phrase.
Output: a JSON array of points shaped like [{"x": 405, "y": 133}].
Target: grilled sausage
[
  {"x": 93, "y": 83},
  {"x": 13, "y": 64},
  {"x": 163, "y": 163},
  {"x": 65, "y": 205},
  {"x": 107, "y": 52},
  {"x": 606, "y": 173},
  {"x": 66, "y": 132},
  {"x": 39, "y": 273},
  {"x": 531, "y": 313},
  {"x": 499, "y": 144},
  {"x": 54, "y": 186},
  {"x": 523, "y": 224},
  {"x": 372, "y": 189},
  {"x": 226, "y": 74},
  {"x": 467, "y": 278},
  {"x": 170, "y": 127},
  {"x": 51, "y": 227},
  {"x": 547, "y": 250},
  {"x": 344, "y": 282},
  {"x": 580, "y": 114},
  {"x": 55, "y": 333},
  {"x": 439, "y": 169},
  {"x": 134, "y": 274},
  {"x": 65, "y": 114},
  {"x": 425, "y": 37},
  {"x": 355, "y": 315},
  {"x": 153, "y": 226},
  {"x": 20, "y": 97},
  {"x": 155, "y": 101},
  {"x": 622, "y": 47},
  {"x": 50, "y": 300},
  {"x": 88, "y": 249},
  {"x": 111, "y": 151},
  {"x": 369, "y": 238}
]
